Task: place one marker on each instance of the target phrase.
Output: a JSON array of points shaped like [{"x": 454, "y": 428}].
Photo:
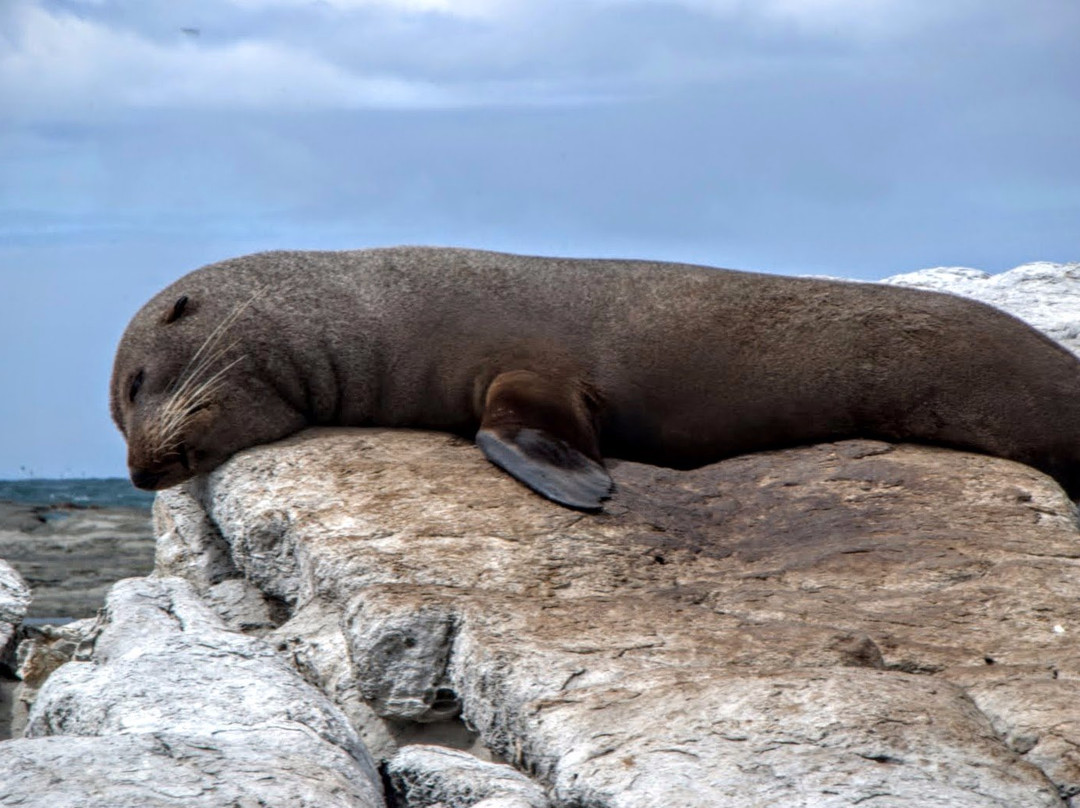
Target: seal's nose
[{"x": 145, "y": 479}]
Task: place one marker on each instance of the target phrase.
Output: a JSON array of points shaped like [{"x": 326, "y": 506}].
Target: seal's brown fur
[{"x": 558, "y": 362}]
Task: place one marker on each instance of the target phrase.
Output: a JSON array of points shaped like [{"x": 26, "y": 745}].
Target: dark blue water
[{"x": 112, "y": 492}]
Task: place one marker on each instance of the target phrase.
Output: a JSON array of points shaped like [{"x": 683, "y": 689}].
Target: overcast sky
[{"x": 140, "y": 139}]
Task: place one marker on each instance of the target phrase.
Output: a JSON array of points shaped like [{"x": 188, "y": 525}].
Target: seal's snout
[{"x": 147, "y": 480}]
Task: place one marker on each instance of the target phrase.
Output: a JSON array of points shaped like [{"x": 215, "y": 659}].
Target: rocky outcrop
[
  {"x": 809, "y": 627},
  {"x": 846, "y": 624},
  {"x": 173, "y": 709}
]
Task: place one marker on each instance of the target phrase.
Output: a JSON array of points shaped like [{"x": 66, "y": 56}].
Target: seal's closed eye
[{"x": 136, "y": 384}]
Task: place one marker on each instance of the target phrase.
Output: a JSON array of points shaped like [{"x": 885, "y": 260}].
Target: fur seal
[{"x": 555, "y": 363}]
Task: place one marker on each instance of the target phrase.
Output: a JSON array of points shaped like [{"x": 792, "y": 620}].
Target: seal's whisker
[
  {"x": 209, "y": 352},
  {"x": 207, "y": 362},
  {"x": 227, "y": 323},
  {"x": 197, "y": 361},
  {"x": 182, "y": 409},
  {"x": 178, "y": 409},
  {"x": 216, "y": 378}
]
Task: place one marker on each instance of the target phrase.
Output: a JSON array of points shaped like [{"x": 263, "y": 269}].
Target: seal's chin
[
  {"x": 154, "y": 473},
  {"x": 157, "y": 479}
]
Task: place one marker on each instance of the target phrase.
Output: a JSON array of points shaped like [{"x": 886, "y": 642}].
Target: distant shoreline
[
  {"x": 72, "y": 539},
  {"x": 76, "y": 492}
]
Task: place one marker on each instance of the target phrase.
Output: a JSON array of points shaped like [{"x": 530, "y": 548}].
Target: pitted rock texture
[
  {"x": 41, "y": 650},
  {"x": 173, "y": 709},
  {"x": 850, "y": 623}
]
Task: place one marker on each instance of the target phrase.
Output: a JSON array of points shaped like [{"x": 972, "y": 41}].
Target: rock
[
  {"x": 1035, "y": 712},
  {"x": 315, "y": 645},
  {"x": 70, "y": 555},
  {"x": 174, "y": 709},
  {"x": 423, "y": 775},
  {"x": 190, "y": 546},
  {"x": 799, "y": 738},
  {"x": 41, "y": 650},
  {"x": 808, "y": 627},
  {"x": 14, "y": 601},
  {"x": 1043, "y": 294}
]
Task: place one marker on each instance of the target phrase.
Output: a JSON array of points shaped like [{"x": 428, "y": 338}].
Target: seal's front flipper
[
  {"x": 548, "y": 465},
  {"x": 541, "y": 431}
]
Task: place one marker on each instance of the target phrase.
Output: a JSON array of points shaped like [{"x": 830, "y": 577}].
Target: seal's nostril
[{"x": 145, "y": 479}]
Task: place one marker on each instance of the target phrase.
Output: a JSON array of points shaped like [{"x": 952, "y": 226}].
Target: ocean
[{"x": 110, "y": 492}]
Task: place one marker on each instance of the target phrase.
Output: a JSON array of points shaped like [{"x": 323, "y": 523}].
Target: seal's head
[{"x": 186, "y": 391}]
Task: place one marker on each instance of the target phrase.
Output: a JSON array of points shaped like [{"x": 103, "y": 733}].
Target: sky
[{"x": 140, "y": 139}]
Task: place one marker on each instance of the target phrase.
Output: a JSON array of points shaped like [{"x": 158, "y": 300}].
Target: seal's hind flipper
[{"x": 540, "y": 430}]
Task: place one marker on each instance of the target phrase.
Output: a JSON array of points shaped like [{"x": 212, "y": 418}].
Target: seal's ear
[
  {"x": 540, "y": 429},
  {"x": 181, "y": 307}
]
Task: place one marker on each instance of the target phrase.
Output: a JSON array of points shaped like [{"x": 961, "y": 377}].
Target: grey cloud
[
  {"x": 279, "y": 56},
  {"x": 697, "y": 135}
]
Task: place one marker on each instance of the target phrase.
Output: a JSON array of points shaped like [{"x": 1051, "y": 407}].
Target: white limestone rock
[
  {"x": 312, "y": 638},
  {"x": 806, "y": 739},
  {"x": 174, "y": 709},
  {"x": 423, "y": 775},
  {"x": 41, "y": 650},
  {"x": 190, "y": 546},
  {"x": 781, "y": 628},
  {"x": 14, "y": 601}
]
